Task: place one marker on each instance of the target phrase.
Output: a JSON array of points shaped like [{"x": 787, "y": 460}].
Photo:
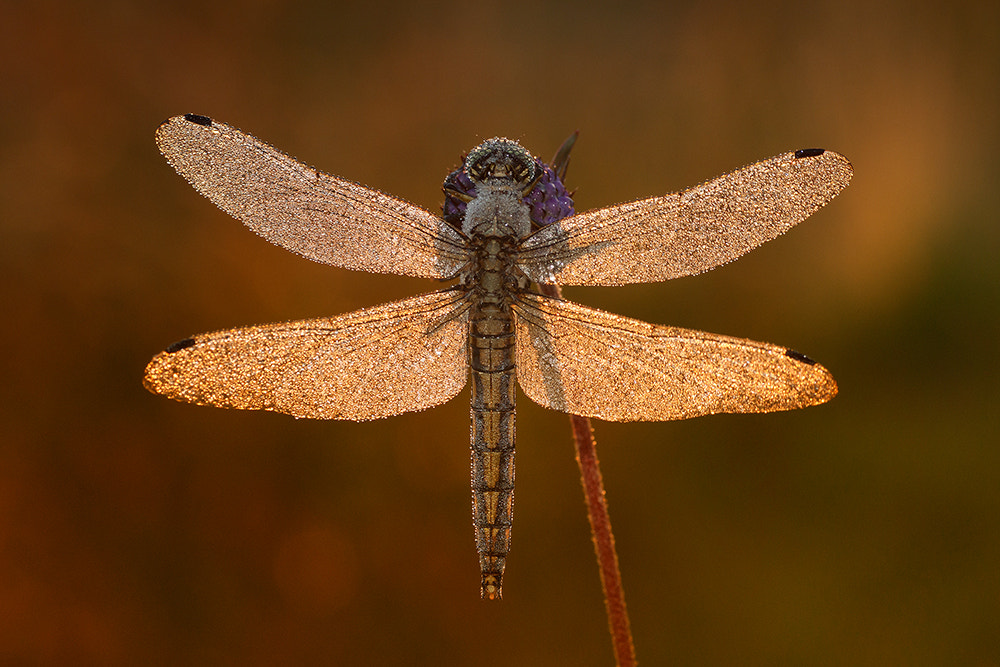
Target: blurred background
[{"x": 134, "y": 529}]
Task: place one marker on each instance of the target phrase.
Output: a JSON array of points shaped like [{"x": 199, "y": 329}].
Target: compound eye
[
  {"x": 524, "y": 171},
  {"x": 477, "y": 170},
  {"x": 500, "y": 158}
]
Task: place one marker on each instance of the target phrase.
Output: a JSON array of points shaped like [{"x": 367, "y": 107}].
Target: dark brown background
[{"x": 138, "y": 530}]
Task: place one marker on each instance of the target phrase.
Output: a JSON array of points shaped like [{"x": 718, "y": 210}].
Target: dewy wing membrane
[{"x": 688, "y": 232}]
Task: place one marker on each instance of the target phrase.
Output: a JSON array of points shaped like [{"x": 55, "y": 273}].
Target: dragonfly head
[{"x": 501, "y": 159}]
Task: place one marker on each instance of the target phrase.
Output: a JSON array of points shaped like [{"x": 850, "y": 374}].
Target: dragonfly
[{"x": 510, "y": 229}]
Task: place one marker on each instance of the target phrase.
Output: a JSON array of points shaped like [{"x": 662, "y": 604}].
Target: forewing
[
  {"x": 588, "y": 362},
  {"x": 372, "y": 363},
  {"x": 687, "y": 232},
  {"x": 321, "y": 217}
]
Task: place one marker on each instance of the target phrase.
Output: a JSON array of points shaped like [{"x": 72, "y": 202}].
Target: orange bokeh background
[{"x": 136, "y": 530}]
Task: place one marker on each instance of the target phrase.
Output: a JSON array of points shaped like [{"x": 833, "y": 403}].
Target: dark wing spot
[
  {"x": 797, "y": 356},
  {"x": 809, "y": 152},
  {"x": 180, "y": 345},
  {"x": 207, "y": 122}
]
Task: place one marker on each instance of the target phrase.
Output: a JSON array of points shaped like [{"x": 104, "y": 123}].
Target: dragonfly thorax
[
  {"x": 497, "y": 210},
  {"x": 492, "y": 274},
  {"x": 496, "y": 220}
]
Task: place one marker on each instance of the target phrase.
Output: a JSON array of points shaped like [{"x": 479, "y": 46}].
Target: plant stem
[{"x": 600, "y": 528}]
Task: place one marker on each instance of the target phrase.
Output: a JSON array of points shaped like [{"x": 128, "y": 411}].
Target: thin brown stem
[{"x": 600, "y": 528}]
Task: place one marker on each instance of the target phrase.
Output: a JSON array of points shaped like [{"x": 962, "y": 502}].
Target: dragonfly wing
[
  {"x": 321, "y": 217},
  {"x": 588, "y": 362},
  {"x": 687, "y": 232},
  {"x": 372, "y": 363}
]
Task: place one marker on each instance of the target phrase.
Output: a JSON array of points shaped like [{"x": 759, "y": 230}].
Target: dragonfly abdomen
[{"x": 491, "y": 345}]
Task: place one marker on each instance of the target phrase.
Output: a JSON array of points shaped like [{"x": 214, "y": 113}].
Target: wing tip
[
  {"x": 820, "y": 386},
  {"x": 152, "y": 377},
  {"x": 160, "y": 374}
]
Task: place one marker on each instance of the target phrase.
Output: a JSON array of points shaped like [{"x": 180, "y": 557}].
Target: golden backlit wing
[
  {"x": 687, "y": 232},
  {"x": 321, "y": 217},
  {"x": 588, "y": 362},
  {"x": 372, "y": 363}
]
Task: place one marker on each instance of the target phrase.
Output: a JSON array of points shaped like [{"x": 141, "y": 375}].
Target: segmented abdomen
[{"x": 491, "y": 345}]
